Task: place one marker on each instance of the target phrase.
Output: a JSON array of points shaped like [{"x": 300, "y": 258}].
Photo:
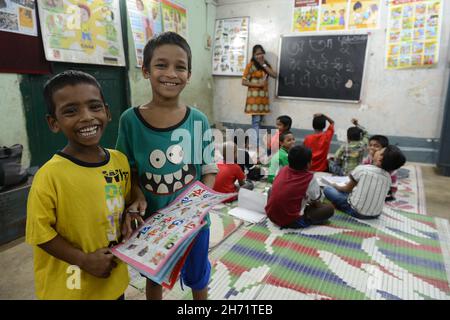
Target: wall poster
[
  {"x": 230, "y": 46},
  {"x": 18, "y": 16},
  {"x": 82, "y": 31}
]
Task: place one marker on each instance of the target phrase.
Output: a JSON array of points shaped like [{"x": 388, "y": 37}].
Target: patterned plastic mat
[{"x": 398, "y": 256}]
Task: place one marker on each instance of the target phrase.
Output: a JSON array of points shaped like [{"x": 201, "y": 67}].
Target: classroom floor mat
[
  {"x": 399, "y": 256},
  {"x": 410, "y": 196},
  {"x": 222, "y": 225}
]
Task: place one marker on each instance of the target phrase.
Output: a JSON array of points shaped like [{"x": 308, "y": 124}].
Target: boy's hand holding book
[{"x": 132, "y": 218}]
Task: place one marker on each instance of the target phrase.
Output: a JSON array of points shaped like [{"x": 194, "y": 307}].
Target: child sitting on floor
[
  {"x": 283, "y": 124},
  {"x": 350, "y": 154},
  {"x": 294, "y": 200},
  {"x": 363, "y": 196},
  {"x": 280, "y": 159},
  {"x": 229, "y": 171},
  {"x": 319, "y": 142},
  {"x": 378, "y": 142}
]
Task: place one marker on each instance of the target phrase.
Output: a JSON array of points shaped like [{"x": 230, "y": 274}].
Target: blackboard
[{"x": 321, "y": 66}]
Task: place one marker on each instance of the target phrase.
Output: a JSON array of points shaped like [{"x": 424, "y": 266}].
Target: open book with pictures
[{"x": 159, "y": 247}]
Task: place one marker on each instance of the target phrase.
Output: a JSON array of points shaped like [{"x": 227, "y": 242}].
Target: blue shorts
[
  {"x": 302, "y": 222},
  {"x": 197, "y": 268}
]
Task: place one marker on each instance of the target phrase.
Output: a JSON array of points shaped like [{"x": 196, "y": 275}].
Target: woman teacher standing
[{"x": 255, "y": 77}]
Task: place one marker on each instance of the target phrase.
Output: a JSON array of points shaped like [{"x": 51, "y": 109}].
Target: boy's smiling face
[
  {"x": 80, "y": 114},
  {"x": 168, "y": 71},
  {"x": 374, "y": 146}
]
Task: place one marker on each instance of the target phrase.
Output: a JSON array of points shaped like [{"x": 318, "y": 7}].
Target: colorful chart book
[{"x": 159, "y": 247}]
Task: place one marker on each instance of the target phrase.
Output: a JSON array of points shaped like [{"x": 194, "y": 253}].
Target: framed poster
[
  {"x": 174, "y": 18},
  {"x": 230, "y": 46},
  {"x": 146, "y": 23},
  {"x": 18, "y": 16},
  {"x": 82, "y": 31}
]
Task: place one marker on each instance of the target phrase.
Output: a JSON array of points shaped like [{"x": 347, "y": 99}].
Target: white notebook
[{"x": 251, "y": 206}]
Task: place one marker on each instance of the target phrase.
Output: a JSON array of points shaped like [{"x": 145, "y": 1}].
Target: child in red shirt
[
  {"x": 319, "y": 142},
  {"x": 294, "y": 200},
  {"x": 229, "y": 171}
]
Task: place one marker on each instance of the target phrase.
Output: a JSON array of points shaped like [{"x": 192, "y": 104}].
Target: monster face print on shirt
[{"x": 167, "y": 172}]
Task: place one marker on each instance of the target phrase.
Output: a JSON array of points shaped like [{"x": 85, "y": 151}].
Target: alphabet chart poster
[
  {"x": 161, "y": 241},
  {"x": 412, "y": 38},
  {"x": 82, "y": 31}
]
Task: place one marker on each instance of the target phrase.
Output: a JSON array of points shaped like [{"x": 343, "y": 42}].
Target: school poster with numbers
[
  {"x": 364, "y": 14},
  {"x": 333, "y": 15},
  {"x": 306, "y": 15},
  {"x": 82, "y": 31},
  {"x": 413, "y": 34},
  {"x": 18, "y": 16},
  {"x": 174, "y": 17},
  {"x": 146, "y": 23}
]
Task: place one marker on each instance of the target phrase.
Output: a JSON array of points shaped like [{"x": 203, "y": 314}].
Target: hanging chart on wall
[
  {"x": 364, "y": 14},
  {"x": 412, "y": 38},
  {"x": 85, "y": 31},
  {"x": 230, "y": 46},
  {"x": 306, "y": 15},
  {"x": 174, "y": 18},
  {"x": 322, "y": 67},
  {"x": 18, "y": 16},
  {"x": 146, "y": 23}
]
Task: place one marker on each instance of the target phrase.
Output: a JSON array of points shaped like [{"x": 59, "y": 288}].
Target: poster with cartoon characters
[
  {"x": 156, "y": 246},
  {"x": 18, "y": 16},
  {"x": 82, "y": 31},
  {"x": 413, "y": 33},
  {"x": 333, "y": 15},
  {"x": 364, "y": 14},
  {"x": 174, "y": 17},
  {"x": 230, "y": 46},
  {"x": 306, "y": 15},
  {"x": 146, "y": 23}
]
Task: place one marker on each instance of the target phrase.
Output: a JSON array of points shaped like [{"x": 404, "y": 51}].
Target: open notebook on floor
[
  {"x": 250, "y": 207},
  {"x": 328, "y": 180}
]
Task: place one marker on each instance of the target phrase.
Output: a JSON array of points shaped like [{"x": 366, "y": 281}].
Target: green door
[{"x": 43, "y": 143}]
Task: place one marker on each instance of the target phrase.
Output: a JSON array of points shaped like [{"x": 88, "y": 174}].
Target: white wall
[{"x": 405, "y": 103}]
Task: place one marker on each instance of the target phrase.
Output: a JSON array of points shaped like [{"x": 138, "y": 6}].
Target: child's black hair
[
  {"x": 382, "y": 140},
  {"x": 393, "y": 158},
  {"x": 357, "y": 6},
  {"x": 283, "y": 135},
  {"x": 286, "y": 121},
  {"x": 67, "y": 78},
  {"x": 354, "y": 134},
  {"x": 162, "y": 39},
  {"x": 319, "y": 122},
  {"x": 299, "y": 157}
]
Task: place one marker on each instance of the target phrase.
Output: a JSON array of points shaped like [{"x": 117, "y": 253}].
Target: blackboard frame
[{"x": 334, "y": 33}]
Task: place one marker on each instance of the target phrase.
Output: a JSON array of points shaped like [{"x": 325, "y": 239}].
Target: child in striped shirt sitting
[{"x": 364, "y": 195}]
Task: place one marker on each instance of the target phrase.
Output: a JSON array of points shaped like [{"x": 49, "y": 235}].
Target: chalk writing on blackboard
[{"x": 322, "y": 67}]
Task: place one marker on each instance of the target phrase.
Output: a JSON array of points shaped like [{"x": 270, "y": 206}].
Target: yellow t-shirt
[{"x": 82, "y": 203}]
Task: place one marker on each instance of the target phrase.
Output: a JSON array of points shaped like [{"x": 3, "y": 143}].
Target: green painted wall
[
  {"x": 199, "y": 92},
  {"x": 12, "y": 124}
]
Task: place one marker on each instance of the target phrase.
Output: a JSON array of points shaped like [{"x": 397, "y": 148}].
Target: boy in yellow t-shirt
[{"x": 77, "y": 198}]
